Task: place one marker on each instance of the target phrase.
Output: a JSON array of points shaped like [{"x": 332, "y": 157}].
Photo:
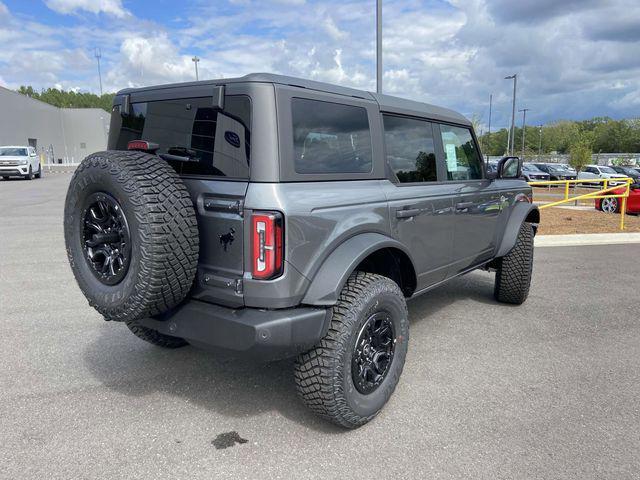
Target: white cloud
[
  {"x": 111, "y": 7},
  {"x": 150, "y": 60}
]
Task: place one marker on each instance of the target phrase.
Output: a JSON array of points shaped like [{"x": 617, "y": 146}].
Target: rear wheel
[
  {"x": 131, "y": 234},
  {"x": 513, "y": 272},
  {"x": 353, "y": 372},
  {"x": 609, "y": 205},
  {"x": 154, "y": 337}
]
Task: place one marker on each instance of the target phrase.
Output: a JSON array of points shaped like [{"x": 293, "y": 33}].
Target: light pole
[
  {"x": 490, "y": 105},
  {"x": 513, "y": 113},
  {"x": 540, "y": 142},
  {"x": 195, "y": 60},
  {"x": 379, "y": 46},
  {"x": 98, "y": 55},
  {"x": 524, "y": 126}
]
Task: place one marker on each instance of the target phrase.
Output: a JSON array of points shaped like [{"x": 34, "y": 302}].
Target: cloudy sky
[{"x": 575, "y": 58}]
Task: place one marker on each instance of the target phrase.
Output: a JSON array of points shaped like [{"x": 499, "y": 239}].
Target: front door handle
[
  {"x": 464, "y": 206},
  {"x": 407, "y": 213}
]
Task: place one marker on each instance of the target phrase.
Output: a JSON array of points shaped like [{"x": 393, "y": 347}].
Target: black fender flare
[
  {"x": 521, "y": 212},
  {"x": 331, "y": 277}
]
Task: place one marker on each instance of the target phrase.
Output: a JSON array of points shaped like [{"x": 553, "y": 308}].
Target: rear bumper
[{"x": 263, "y": 334}]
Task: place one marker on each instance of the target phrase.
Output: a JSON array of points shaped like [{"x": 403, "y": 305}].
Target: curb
[{"x": 586, "y": 239}]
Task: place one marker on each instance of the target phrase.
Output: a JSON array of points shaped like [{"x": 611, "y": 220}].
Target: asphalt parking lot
[{"x": 550, "y": 389}]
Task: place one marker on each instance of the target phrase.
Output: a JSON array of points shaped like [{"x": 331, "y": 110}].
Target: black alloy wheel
[
  {"x": 373, "y": 353},
  {"x": 106, "y": 238}
]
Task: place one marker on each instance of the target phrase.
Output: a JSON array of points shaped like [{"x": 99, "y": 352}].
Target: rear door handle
[
  {"x": 407, "y": 213},
  {"x": 464, "y": 206}
]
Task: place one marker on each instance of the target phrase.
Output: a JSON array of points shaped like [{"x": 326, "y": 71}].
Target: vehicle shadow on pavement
[
  {"x": 229, "y": 387},
  {"x": 234, "y": 387},
  {"x": 473, "y": 287}
]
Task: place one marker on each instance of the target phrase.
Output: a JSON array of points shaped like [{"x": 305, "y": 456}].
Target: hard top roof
[{"x": 387, "y": 102}]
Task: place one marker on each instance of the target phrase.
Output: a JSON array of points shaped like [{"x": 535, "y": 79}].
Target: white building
[{"x": 62, "y": 134}]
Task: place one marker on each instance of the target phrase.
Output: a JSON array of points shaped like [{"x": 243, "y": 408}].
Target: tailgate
[{"x": 219, "y": 205}]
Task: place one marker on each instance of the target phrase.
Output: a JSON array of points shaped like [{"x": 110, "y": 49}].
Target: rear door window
[
  {"x": 410, "y": 149},
  {"x": 194, "y": 138},
  {"x": 330, "y": 137},
  {"x": 461, "y": 154}
]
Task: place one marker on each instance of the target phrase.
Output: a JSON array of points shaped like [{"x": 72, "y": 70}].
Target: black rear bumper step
[{"x": 263, "y": 334}]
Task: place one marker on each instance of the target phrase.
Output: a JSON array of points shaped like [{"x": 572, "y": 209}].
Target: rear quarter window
[{"x": 330, "y": 137}]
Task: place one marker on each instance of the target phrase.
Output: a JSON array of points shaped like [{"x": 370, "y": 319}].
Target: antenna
[{"x": 98, "y": 55}]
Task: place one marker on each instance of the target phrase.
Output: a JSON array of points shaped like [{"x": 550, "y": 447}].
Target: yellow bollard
[{"x": 623, "y": 211}]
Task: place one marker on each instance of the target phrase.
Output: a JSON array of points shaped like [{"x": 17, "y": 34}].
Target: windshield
[
  {"x": 13, "y": 152},
  {"x": 530, "y": 168},
  {"x": 607, "y": 170}
]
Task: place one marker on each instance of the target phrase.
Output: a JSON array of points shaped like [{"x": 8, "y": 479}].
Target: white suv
[
  {"x": 599, "y": 171},
  {"x": 19, "y": 161}
]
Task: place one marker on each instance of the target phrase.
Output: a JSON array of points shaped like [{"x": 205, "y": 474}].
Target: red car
[{"x": 612, "y": 205}]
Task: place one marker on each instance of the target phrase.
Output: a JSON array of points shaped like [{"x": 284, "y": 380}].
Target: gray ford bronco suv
[{"x": 280, "y": 217}]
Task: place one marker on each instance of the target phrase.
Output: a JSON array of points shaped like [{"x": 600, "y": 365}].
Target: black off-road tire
[
  {"x": 163, "y": 233},
  {"x": 324, "y": 374},
  {"x": 154, "y": 337},
  {"x": 513, "y": 272}
]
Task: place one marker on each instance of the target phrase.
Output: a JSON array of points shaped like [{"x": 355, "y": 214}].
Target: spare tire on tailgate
[{"x": 131, "y": 234}]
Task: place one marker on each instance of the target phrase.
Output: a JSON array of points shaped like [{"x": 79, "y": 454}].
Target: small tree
[{"x": 580, "y": 155}]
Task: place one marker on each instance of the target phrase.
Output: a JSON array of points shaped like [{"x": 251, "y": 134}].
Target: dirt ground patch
[{"x": 558, "y": 221}]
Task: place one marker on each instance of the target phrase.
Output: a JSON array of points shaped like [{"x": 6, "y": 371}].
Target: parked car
[
  {"x": 555, "y": 171},
  {"x": 628, "y": 171},
  {"x": 295, "y": 219},
  {"x": 600, "y": 171},
  {"x": 531, "y": 173},
  {"x": 568, "y": 168},
  {"x": 613, "y": 205},
  {"x": 19, "y": 161}
]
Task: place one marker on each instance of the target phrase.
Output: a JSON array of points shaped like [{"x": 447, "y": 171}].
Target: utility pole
[
  {"x": 98, "y": 55},
  {"x": 195, "y": 60},
  {"x": 524, "y": 126},
  {"x": 513, "y": 113},
  {"x": 379, "y": 46}
]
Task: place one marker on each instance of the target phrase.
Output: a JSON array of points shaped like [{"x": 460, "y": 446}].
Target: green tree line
[
  {"x": 69, "y": 99},
  {"x": 599, "y": 134}
]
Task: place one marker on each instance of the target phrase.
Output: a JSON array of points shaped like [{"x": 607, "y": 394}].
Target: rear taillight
[{"x": 267, "y": 245}]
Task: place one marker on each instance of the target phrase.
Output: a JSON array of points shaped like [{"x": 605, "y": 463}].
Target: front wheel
[
  {"x": 513, "y": 272},
  {"x": 39, "y": 173},
  {"x": 353, "y": 372},
  {"x": 29, "y": 176}
]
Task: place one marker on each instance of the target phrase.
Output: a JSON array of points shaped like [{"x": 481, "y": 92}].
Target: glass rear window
[
  {"x": 194, "y": 138},
  {"x": 330, "y": 137}
]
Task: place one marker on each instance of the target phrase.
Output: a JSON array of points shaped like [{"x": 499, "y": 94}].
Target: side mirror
[{"x": 510, "y": 168}]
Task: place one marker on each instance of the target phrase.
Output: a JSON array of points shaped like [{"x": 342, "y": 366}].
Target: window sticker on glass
[{"x": 452, "y": 161}]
